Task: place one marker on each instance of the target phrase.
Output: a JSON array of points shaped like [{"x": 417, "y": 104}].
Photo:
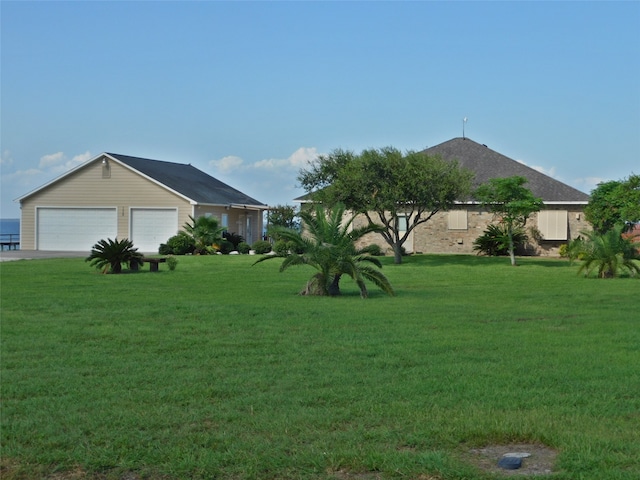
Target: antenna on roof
[{"x": 464, "y": 121}]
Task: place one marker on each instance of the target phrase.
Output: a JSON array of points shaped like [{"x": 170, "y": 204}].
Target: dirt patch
[{"x": 540, "y": 461}]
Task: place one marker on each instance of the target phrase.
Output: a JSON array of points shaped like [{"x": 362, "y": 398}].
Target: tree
[
  {"x": 511, "y": 202},
  {"x": 328, "y": 245},
  {"x": 609, "y": 253},
  {"x": 615, "y": 202},
  {"x": 205, "y": 232},
  {"x": 396, "y": 191},
  {"x": 111, "y": 254},
  {"x": 282, "y": 216}
]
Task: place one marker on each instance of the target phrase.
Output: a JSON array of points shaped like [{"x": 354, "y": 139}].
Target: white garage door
[
  {"x": 74, "y": 229},
  {"x": 152, "y": 226}
]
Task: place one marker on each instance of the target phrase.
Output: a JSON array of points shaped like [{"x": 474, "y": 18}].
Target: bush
[
  {"x": 261, "y": 247},
  {"x": 495, "y": 241},
  {"x": 225, "y": 246},
  {"x": 295, "y": 248},
  {"x": 172, "y": 262},
  {"x": 374, "y": 249},
  {"x": 179, "y": 244},
  {"x": 281, "y": 248},
  {"x": 234, "y": 238},
  {"x": 244, "y": 247}
]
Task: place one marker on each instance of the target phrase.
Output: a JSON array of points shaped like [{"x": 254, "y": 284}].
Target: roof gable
[
  {"x": 486, "y": 164},
  {"x": 188, "y": 181}
]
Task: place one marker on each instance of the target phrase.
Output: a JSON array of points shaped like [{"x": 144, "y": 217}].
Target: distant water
[{"x": 10, "y": 225}]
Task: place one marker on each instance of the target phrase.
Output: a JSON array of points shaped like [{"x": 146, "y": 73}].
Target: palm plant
[
  {"x": 609, "y": 253},
  {"x": 111, "y": 254},
  {"x": 328, "y": 245},
  {"x": 205, "y": 232},
  {"x": 495, "y": 240}
]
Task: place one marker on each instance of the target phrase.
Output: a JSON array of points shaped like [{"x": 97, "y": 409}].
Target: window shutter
[
  {"x": 553, "y": 224},
  {"x": 457, "y": 220}
]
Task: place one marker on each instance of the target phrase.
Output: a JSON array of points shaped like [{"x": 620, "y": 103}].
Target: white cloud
[
  {"x": 298, "y": 159},
  {"x": 271, "y": 180},
  {"x": 550, "y": 172},
  {"x": 587, "y": 184},
  {"x": 6, "y": 159},
  {"x": 303, "y": 156},
  {"x": 51, "y": 160},
  {"x": 83, "y": 157},
  {"x": 227, "y": 164}
]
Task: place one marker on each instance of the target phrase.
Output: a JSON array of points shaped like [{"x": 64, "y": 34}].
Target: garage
[
  {"x": 74, "y": 229},
  {"x": 152, "y": 226}
]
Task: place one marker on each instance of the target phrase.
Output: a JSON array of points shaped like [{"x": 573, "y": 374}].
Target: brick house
[{"x": 454, "y": 231}]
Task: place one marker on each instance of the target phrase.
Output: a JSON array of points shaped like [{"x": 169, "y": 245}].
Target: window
[
  {"x": 402, "y": 223},
  {"x": 553, "y": 224},
  {"x": 457, "y": 220},
  {"x": 225, "y": 221}
]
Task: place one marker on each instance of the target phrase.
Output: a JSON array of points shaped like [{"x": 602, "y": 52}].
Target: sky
[{"x": 251, "y": 92}]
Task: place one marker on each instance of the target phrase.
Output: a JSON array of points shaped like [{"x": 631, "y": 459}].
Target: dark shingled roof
[
  {"x": 487, "y": 164},
  {"x": 188, "y": 181}
]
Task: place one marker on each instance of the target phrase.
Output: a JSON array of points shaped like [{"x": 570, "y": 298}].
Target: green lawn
[{"x": 220, "y": 370}]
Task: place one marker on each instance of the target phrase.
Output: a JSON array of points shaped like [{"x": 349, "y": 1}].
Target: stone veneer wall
[{"x": 434, "y": 235}]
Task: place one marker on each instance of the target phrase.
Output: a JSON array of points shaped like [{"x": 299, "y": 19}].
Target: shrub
[
  {"x": 179, "y": 244},
  {"x": 373, "y": 249},
  {"x": 172, "y": 262},
  {"x": 563, "y": 251},
  {"x": 205, "y": 233},
  {"x": 295, "y": 248},
  {"x": 234, "y": 238},
  {"x": 495, "y": 241},
  {"x": 111, "y": 254},
  {"x": 225, "y": 246},
  {"x": 261, "y": 247},
  {"x": 244, "y": 247},
  {"x": 609, "y": 253},
  {"x": 281, "y": 248}
]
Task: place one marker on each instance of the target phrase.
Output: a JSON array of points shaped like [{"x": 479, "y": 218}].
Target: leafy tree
[
  {"x": 111, "y": 254},
  {"x": 205, "y": 233},
  {"x": 609, "y": 253},
  {"x": 281, "y": 216},
  {"x": 615, "y": 202},
  {"x": 328, "y": 245},
  {"x": 511, "y": 202},
  {"x": 385, "y": 185}
]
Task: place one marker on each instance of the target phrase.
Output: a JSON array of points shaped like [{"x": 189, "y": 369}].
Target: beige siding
[{"x": 86, "y": 187}]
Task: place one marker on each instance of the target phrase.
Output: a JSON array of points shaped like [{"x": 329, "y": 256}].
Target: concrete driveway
[{"x": 8, "y": 255}]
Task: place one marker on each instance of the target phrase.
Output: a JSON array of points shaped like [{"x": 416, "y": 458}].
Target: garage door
[
  {"x": 74, "y": 229},
  {"x": 152, "y": 226}
]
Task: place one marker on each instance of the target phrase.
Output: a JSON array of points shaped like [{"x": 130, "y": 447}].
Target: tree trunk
[
  {"x": 334, "y": 288},
  {"x": 512, "y": 252},
  {"x": 397, "y": 253}
]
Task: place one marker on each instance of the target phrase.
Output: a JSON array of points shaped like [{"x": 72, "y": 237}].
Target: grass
[{"x": 220, "y": 370}]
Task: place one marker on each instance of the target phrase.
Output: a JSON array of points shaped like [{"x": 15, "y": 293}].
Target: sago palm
[
  {"x": 111, "y": 254},
  {"x": 328, "y": 245},
  {"x": 609, "y": 253}
]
